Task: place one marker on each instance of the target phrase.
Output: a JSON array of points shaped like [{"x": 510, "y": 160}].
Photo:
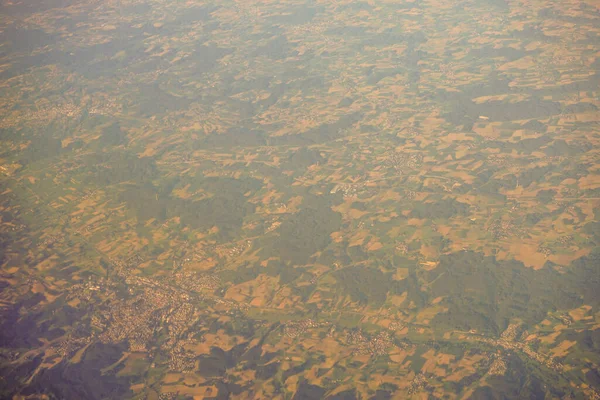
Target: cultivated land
[{"x": 299, "y": 199}]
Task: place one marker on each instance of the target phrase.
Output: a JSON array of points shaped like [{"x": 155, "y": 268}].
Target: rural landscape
[{"x": 299, "y": 199}]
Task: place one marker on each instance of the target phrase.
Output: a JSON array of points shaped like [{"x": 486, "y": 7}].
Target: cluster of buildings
[
  {"x": 107, "y": 106},
  {"x": 410, "y": 194},
  {"x": 511, "y": 344},
  {"x": 194, "y": 282},
  {"x": 296, "y": 328},
  {"x": 498, "y": 160},
  {"x": 511, "y": 332},
  {"x": 396, "y": 326},
  {"x": 545, "y": 250},
  {"x": 277, "y": 207},
  {"x": 565, "y": 319},
  {"x": 348, "y": 189},
  {"x": 448, "y": 70},
  {"x": 312, "y": 28},
  {"x": 152, "y": 307},
  {"x": 87, "y": 194},
  {"x": 503, "y": 229},
  {"x": 182, "y": 360},
  {"x": 401, "y": 161},
  {"x": 70, "y": 344},
  {"x": 498, "y": 367},
  {"x": 50, "y": 240},
  {"x": 234, "y": 251},
  {"x": 374, "y": 346},
  {"x": 418, "y": 383},
  {"x": 42, "y": 115},
  {"x": 273, "y": 226},
  {"x": 132, "y": 320},
  {"x": 16, "y": 227},
  {"x": 411, "y": 131}
]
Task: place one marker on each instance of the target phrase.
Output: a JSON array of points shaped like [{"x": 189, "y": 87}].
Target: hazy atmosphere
[{"x": 299, "y": 199}]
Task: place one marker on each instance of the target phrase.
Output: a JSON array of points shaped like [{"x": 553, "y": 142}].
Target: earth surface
[{"x": 299, "y": 199}]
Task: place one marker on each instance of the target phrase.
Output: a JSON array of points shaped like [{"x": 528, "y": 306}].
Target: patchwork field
[{"x": 299, "y": 199}]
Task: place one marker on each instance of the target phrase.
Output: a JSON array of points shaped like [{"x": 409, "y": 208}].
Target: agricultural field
[{"x": 299, "y": 199}]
